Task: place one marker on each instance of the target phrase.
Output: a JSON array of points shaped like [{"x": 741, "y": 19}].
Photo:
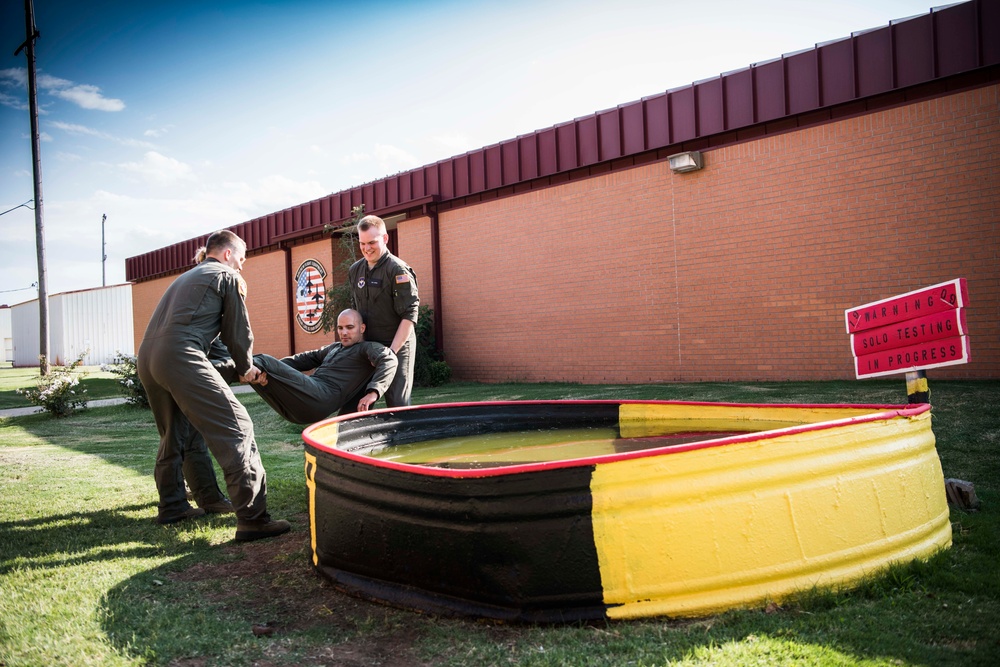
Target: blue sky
[{"x": 178, "y": 118}]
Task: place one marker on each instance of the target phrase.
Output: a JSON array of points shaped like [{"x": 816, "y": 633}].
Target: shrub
[
  {"x": 338, "y": 295},
  {"x": 430, "y": 369},
  {"x": 123, "y": 365},
  {"x": 59, "y": 392}
]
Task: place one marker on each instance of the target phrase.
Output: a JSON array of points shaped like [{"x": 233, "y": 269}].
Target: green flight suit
[
  {"x": 188, "y": 397},
  {"x": 340, "y": 373},
  {"x": 386, "y": 294}
]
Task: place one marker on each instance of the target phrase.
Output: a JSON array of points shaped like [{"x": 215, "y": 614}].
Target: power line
[
  {"x": 25, "y": 205},
  {"x": 21, "y": 289}
]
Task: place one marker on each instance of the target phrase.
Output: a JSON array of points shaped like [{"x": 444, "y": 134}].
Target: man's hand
[
  {"x": 367, "y": 401},
  {"x": 252, "y": 376}
]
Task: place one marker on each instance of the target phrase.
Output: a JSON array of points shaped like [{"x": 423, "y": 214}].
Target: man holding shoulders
[
  {"x": 187, "y": 395},
  {"x": 384, "y": 291},
  {"x": 342, "y": 371}
]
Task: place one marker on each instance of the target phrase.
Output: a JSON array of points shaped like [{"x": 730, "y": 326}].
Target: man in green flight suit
[
  {"x": 189, "y": 397},
  {"x": 384, "y": 291},
  {"x": 340, "y": 371}
]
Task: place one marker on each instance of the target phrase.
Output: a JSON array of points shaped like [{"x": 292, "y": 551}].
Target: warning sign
[{"x": 913, "y": 331}]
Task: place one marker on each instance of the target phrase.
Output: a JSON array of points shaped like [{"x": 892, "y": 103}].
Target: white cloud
[
  {"x": 75, "y": 128},
  {"x": 48, "y": 82},
  {"x": 11, "y": 79},
  {"x": 14, "y": 76},
  {"x": 271, "y": 193},
  {"x": 160, "y": 169},
  {"x": 387, "y": 158},
  {"x": 156, "y": 133},
  {"x": 355, "y": 158},
  {"x": 392, "y": 159},
  {"x": 83, "y": 95},
  {"x": 453, "y": 144},
  {"x": 13, "y": 102},
  {"x": 89, "y": 97}
]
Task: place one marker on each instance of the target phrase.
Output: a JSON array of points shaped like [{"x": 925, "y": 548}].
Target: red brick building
[{"x": 860, "y": 169}]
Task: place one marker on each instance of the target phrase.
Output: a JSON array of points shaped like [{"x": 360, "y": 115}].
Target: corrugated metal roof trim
[{"x": 946, "y": 41}]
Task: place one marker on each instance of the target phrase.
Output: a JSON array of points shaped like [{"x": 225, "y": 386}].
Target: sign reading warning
[
  {"x": 914, "y": 331},
  {"x": 310, "y": 293},
  {"x": 938, "y": 298}
]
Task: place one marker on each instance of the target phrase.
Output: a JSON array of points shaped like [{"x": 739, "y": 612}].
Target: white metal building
[
  {"x": 5, "y": 334},
  {"x": 97, "y": 321}
]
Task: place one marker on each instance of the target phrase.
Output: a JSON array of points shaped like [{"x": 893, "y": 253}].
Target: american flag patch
[{"x": 402, "y": 278}]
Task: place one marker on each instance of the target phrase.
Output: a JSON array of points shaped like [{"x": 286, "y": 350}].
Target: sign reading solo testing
[{"x": 914, "y": 331}]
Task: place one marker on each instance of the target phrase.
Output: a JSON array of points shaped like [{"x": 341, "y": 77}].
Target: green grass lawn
[
  {"x": 98, "y": 383},
  {"x": 87, "y": 577}
]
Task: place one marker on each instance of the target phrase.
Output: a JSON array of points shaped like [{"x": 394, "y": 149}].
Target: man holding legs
[{"x": 186, "y": 392}]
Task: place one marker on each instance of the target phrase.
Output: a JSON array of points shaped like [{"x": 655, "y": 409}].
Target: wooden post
[
  {"x": 917, "y": 390},
  {"x": 43, "y": 293}
]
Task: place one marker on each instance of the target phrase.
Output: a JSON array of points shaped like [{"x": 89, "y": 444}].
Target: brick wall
[
  {"x": 267, "y": 302},
  {"x": 415, "y": 249},
  {"x": 741, "y": 271},
  {"x": 145, "y": 297}
]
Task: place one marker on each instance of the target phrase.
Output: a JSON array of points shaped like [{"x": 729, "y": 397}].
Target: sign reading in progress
[{"x": 921, "y": 329}]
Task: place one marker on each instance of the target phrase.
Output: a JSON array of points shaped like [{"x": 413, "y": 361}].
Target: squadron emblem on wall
[{"x": 310, "y": 293}]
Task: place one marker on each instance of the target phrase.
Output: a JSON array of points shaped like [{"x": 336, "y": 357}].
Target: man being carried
[{"x": 342, "y": 370}]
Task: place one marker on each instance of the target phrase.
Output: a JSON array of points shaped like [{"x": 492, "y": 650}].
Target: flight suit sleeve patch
[{"x": 402, "y": 278}]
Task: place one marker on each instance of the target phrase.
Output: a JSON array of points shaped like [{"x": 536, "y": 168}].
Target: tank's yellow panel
[{"x": 700, "y": 531}]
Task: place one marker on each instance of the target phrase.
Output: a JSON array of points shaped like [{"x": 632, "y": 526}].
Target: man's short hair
[
  {"x": 218, "y": 242},
  {"x": 223, "y": 239},
  {"x": 369, "y": 221}
]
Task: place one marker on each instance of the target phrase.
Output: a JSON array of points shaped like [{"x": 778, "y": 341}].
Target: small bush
[
  {"x": 123, "y": 365},
  {"x": 429, "y": 369},
  {"x": 59, "y": 392},
  {"x": 338, "y": 295}
]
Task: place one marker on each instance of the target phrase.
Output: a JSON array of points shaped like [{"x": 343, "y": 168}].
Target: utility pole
[
  {"x": 104, "y": 255},
  {"x": 31, "y": 35}
]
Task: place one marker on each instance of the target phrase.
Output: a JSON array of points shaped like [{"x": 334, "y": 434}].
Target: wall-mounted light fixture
[{"x": 684, "y": 162}]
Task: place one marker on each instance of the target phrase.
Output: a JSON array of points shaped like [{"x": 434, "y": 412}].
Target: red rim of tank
[{"x": 880, "y": 412}]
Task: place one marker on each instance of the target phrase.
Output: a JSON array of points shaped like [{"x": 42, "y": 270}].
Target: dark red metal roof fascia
[{"x": 739, "y": 105}]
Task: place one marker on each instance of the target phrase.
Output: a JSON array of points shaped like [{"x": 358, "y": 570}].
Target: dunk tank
[{"x": 554, "y": 511}]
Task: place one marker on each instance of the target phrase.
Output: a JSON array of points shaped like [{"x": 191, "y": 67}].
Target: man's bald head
[{"x": 350, "y": 327}]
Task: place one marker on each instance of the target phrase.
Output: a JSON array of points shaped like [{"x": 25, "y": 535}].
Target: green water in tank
[{"x": 520, "y": 447}]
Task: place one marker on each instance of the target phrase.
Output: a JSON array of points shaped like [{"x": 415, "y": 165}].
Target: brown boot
[
  {"x": 189, "y": 513},
  {"x": 219, "y": 507},
  {"x": 248, "y": 531}
]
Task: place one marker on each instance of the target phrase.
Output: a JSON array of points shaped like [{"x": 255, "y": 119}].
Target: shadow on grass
[
  {"x": 263, "y": 603},
  {"x": 125, "y": 435},
  {"x": 76, "y": 538},
  {"x": 240, "y": 603}
]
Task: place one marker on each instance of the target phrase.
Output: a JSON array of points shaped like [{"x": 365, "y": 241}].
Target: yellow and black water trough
[{"x": 555, "y": 511}]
